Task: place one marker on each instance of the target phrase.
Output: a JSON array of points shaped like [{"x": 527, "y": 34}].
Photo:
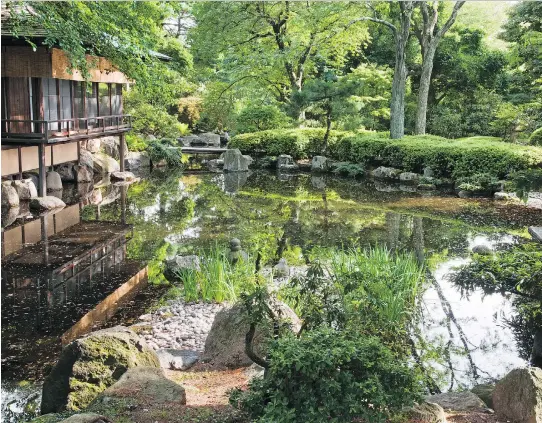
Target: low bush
[
  {"x": 260, "y": 118},
  {"x": 299, "y": 143},
  {"x": 349, "y": 169},
  {"x": 447, "y": 158},
  {"x": 479, "y": 182},
  {"x": 328, "y": 376},
  {"x": 536, "y": 137},
  {"x": 163, "y": 150}
]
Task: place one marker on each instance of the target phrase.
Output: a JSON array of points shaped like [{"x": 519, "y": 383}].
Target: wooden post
[
  {"x": 20, "y": 162},
  {"x": 42, "y": 188},
  {"x": 121, "y": 152}
]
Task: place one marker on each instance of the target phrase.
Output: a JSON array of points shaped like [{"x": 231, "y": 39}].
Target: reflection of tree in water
[{"x": 517, "y": 270}]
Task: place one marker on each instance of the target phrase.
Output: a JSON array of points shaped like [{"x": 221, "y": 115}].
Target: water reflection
[{"x": 281, "y": 216}]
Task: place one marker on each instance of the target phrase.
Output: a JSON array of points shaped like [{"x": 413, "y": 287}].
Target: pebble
[{"x": 179, "y": 325}]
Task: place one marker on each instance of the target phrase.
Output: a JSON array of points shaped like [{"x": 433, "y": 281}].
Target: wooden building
[{"x": 48, "y": 110}]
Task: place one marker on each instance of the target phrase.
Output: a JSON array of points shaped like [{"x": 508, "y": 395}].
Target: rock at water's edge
[
  {"x": 426, "y": 412},
  {"x": 48, "y": 202},
  {"x": 518, "y": 396},
  {"x": 458, "y": 401},
  {"x": 536, "y": 233},
  {"x": 90, "y": 364}
]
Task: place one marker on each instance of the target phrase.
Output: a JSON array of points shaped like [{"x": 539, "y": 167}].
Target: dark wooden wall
[{"x": 18, "y": 103}]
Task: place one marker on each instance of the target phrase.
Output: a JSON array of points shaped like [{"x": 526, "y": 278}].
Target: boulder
[
  {"x": 104, "y": 164},
  {"x": 318, "y": 182},
  {"x": 191, "y": 140},
  {"x": 234, "y": 161},
  {"x": 464, "y": 194},
  {"x": 212, "y": 140},
  {"x": 10, "y": 215},
  {"x": 66, "y": 172},
  {"x": 86, "y": 159},
  {"x": 285, "y": 162},
  {"x": 53, "y": 181},
  {"x": 25, "y": 189},
  {"x": 150, "y": 137},
  {"x": 48, "y": 202},
  {"x": 482, "y": 249},
  {"x": 282, "y": 269},
  {"x": 172, "y": 359},
  {"x": 485, "y": 392},
  {"x": 83, "y": 174},
  {"x": 409, "y": 177},
  {"x": 135, "y": 160},
  {"x": 319, "y": 164},
  {"x": 33, "y": 176},
  {"x": 518, "y": 396},
  {"x": 426, "y": 412},
  {"x": 90, "y": 364},
  {"x": 458, "y": 401},
  {"x": 143, "y": 385},
  {"x": 215, "y": 165},
  {"x": 180, "y": 263},
  {"x": 225, "y": 344},
  {"x": 536, "y": 353},
  {"x": 122, "y": 176},
  {"x": 383, "y": 172},
  {"x": 506, "y": 196},
  {"x": 536, "y": 232},
  {"x": 93, "y": 145},
  {"x": 111, "y": 146}
]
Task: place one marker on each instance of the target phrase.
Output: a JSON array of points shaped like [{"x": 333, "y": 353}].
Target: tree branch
[{"x": 458, "y": 5}]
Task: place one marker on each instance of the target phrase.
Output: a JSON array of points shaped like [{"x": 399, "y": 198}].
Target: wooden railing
[{"x": 60, "y": 129}]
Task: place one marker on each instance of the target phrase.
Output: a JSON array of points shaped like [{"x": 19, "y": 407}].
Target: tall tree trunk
[
  {"x": 328, "y": 128},
  {"x": 423, "y": 93},
  {"x": 429, "y": 37},
  {"x": 398, "y": 88}
]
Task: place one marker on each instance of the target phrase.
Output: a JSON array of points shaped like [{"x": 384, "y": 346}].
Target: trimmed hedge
[
  {"x": 447, "y": 158},
  {"x": 536, "y": 137},
  {"x": 298, "y": 143}
]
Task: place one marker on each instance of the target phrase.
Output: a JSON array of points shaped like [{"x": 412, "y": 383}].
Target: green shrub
[
  {"x": 479, "y": 182},
  {"x": 136, "y": 142},
  {"x": 349, "y": 169},
  {"x": 260, "y": 118},
  {"x": 162, "y": 150},
  {"x": 536, "y": 137},
  {"x": 525, "y": 181},
  {"x": 299, "y": 143},
  {"x": 447, "y": 158},
  {"x": 328, "y": 376}
]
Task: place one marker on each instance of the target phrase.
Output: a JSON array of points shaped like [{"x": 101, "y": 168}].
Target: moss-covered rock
[{"x": 91, "y": 364}]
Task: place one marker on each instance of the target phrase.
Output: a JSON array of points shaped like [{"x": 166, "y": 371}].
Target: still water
[{"x": 102, "y": 240}]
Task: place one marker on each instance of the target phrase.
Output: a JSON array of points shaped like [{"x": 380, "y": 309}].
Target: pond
[{"x": 281, "y": 216}]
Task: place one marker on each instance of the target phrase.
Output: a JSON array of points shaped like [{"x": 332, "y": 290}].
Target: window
[
  {"x": 92, "y": 102},
  {"x": 105, "y": 101},
  {"x": 65, "y": 102},
  {"x": 79, "y": 105},
  {"x": 50, "y": 102},
  {"x": 116, "y": 99}
]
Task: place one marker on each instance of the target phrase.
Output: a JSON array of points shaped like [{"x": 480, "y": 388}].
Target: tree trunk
[
  {"x": 328, "y": 128},
  {"x": 425, "y": 83},
  {"x": 398, "y": 88}
]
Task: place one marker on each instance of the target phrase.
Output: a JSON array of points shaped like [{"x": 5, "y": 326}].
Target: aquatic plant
[{"x": 217, "y": 279}]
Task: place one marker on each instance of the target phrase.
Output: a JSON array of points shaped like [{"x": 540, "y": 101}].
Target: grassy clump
[
  {"x": 218, "y": 279},
  {"x": 447, "y": 158}
]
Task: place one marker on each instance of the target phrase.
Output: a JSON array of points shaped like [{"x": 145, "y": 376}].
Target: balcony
[{"x": 36, "y": 132}]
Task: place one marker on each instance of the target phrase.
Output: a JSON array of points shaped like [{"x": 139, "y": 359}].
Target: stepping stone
[{"x": 536, "y": 233}]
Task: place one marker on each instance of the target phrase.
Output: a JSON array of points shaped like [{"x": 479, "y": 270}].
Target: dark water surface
[{"x": 91, "y": 249}]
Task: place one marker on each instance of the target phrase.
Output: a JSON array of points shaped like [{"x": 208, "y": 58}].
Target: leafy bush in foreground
[
  {"x": 163, "y": 150},
  {"x": 328, "y": 376}
]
